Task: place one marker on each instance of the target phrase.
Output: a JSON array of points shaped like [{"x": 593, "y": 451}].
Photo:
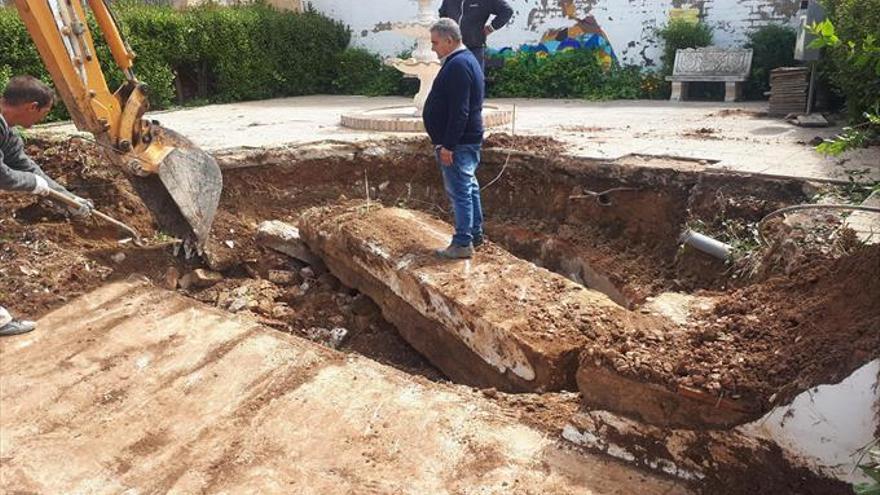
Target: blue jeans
[{"x": 463, "y": 191}]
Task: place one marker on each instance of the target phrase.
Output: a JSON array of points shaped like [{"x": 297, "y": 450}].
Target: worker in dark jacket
[
  {"x": 25, "y": 102},
  {"x": 473, "y": 18},
  {"x": 453, "y": 117}
]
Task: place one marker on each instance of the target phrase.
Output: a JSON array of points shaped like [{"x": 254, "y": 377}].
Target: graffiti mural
[{"x": 584, "y": 34}]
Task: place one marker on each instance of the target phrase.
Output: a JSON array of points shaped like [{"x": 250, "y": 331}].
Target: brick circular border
[{"x": 371, "y": 120}]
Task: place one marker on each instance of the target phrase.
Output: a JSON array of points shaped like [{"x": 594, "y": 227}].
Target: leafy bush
[
  {"x": 5, "y": 75},
  {"x": 680, "y": 34},
  {"x": 854, "y": 57},
  {"x": 567, "y": 74},
  {"x": 869, "y": 463},
  {"x": 361, "y": 72},
  {"x": 653, "y": 86},
  {"x": 773, "y": 47},
  {"x": 208, "y": 54},
  {"x": 859, "y": 57}
]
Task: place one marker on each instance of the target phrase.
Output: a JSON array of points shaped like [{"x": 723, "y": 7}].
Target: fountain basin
[{"x": 406, "y": 118}]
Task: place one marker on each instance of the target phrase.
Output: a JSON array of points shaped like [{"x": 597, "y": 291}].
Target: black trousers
[{"x": 480, "y": 53}]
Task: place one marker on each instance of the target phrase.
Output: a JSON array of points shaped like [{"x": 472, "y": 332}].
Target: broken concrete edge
[
  {"x": 866, "y": 224},
  {"x": 717, "y": 461},
  {"x": 298, "y": 154},
  {"x": 474, "y": 339},
  {"x": 199, "y": 278},
  {"x": 654, "y": 403},
  {"x": 291, "y": 154},
  {"x": 285, "y": 238}
]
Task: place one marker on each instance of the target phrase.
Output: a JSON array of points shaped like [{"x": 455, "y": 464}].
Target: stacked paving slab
[{"x": 788, "y": 90}]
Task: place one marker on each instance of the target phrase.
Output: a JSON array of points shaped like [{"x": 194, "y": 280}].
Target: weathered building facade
[{"x": 630, "y": 25}]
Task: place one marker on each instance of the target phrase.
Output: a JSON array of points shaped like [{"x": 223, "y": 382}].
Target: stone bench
[{"x": 730, "y": 66}]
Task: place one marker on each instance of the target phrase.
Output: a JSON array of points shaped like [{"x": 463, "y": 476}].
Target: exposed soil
[
  {"x": 702, "y": 133},
  {"x": 531, "y": 144},
  {"x": 738, "y": 112},
  {"x": 47, "y": 259},
  {"x": 767, "y": 342},
  {"x": 766, "y": 338}
]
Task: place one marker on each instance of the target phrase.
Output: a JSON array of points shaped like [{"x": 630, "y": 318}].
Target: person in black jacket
[
  {"x": 453, "y": 118},
  {"x": 473, "y": 16}
]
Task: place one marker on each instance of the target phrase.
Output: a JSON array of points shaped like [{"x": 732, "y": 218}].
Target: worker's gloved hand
[
  {"x": 84, "y": 210},
  {"x": 42, "y": 187}
]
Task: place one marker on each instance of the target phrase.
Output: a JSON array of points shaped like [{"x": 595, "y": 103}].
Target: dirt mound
[
  {"x": 46, "y": 258},
  {"x": 815, "y": 326},
  {"x": 532, "y": 144},
  {"x": 765, "y": 343},
  {"x": 738, "y": 112}
]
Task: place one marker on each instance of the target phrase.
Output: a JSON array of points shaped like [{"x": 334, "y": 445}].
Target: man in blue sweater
[{"x": 453, "y": 117}]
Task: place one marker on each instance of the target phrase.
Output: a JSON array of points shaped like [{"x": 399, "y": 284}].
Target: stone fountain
[{"x": 423, "y": 65}]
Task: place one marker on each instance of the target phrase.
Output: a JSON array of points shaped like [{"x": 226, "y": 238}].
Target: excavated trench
[
  {"x": 727, "y": 350},
  {"x": 625, "y": 243}
]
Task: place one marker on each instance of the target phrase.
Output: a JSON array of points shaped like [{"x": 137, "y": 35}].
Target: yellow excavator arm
[{"x": 180, "y": 183}]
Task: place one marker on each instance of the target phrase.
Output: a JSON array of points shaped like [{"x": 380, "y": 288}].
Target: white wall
[{"x": 629, "y": 24}]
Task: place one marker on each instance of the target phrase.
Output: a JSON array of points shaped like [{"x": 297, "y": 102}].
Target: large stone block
[
  {"x": 285, "y": 238},
  {"x": 493, "y": 321}
]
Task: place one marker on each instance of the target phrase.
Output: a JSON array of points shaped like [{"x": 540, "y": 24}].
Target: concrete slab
[
  {"x": 494, "y": 321},
  {"x": 731, "y": 462},
  {"x": 133, "y": 389},
  {"x": 866, "y": 224},
  {"x": 736, "y": 134},
  {"x": 285, "y": 238},
  {"x": 500, "y": 321}
]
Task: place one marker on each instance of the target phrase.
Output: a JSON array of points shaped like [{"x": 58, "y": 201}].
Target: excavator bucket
[
  {"x": 185, "y": 193},
  {"x": 194, "y": 182},
  {"x": 177, "y": 181}
]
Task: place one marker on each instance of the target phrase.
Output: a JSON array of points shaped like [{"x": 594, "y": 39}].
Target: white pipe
[{"x": 706, "y": 244}]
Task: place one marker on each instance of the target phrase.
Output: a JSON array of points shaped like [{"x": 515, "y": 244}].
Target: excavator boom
[{"x": 179, "y": 183}]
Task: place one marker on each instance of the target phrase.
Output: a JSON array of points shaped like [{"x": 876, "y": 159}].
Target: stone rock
[
  {"x": 285, "y": 238},
  {"x": 329, "y": 282},
  {"x": 172, "y": 277},
  {"x": 364, "y": 306},
  {"x": 200, "y": 279},
  {"x": 118, "y": 257},
  {"x": 238, "y": 304},
  {"x": 284, "y": 277},
  {"x": 331, "y": 338},
  {"x": 373, "y": 251},
  {"x": 218, "y": 256},
  {"x": 282, "y": 312},
  {"x": 307, "y": 273}
]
